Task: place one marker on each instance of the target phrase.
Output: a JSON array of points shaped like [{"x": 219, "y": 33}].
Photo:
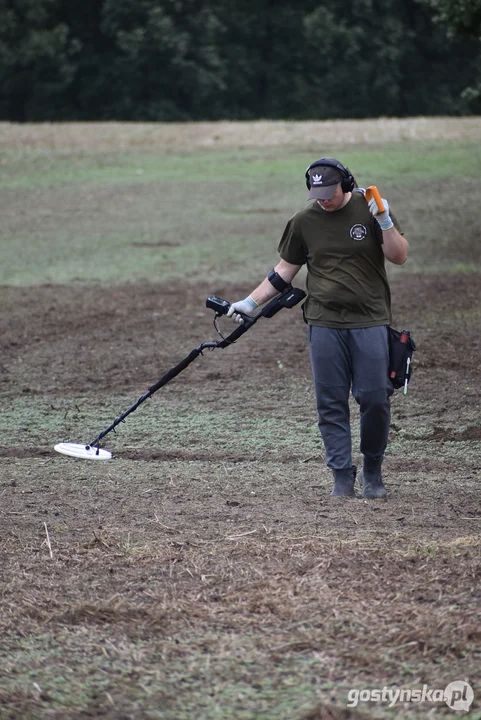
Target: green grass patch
[{"x": 215, "y": 214}]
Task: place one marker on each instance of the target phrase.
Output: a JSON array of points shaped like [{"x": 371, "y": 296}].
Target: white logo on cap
[{"x": 317, "y": 179}]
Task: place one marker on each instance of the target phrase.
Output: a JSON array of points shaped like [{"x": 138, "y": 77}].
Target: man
[{"x": 343, "y": 240}]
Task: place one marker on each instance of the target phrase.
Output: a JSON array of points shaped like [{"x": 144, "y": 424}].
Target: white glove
[
  {"x": 383, "y": 218},
  {"x": 246, "y": 307}
]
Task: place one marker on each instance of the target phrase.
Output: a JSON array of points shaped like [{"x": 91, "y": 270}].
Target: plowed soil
[{"x": 209, "y": 556}]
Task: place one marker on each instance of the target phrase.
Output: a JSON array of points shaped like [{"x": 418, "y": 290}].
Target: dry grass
[
  {"x": 267, "y": 603},
  {"x": 232, "y": 135},
  {"x": 204, "y": 574}
]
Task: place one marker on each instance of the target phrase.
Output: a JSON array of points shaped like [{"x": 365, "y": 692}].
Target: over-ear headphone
[{"x": 347, "y": 183}]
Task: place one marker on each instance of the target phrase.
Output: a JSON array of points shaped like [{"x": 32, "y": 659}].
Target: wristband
[
  {"x": 251, "y": 302},
  {"x": 385, "y": 224}
]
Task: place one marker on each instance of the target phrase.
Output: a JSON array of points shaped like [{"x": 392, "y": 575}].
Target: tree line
[{"x": 177, "y": 60}]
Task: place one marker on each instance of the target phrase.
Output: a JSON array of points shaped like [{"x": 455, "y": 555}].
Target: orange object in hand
[{"x": 373, "y": 192}]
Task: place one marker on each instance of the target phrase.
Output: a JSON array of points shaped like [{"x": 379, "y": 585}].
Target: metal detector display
[{"x": 287, "y": 299}]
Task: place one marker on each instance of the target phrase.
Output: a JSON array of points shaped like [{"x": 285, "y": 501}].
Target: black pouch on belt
[{"x": 401, "y": 348}]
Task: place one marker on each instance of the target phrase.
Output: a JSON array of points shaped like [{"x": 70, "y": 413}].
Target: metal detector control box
[{"x": 220, "y": 306}]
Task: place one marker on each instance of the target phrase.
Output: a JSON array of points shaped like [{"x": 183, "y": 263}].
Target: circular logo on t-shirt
[{"x": 358, "y": 232}]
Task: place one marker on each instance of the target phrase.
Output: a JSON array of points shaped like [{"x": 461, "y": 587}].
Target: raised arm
[{"x": 394, "y": 245}]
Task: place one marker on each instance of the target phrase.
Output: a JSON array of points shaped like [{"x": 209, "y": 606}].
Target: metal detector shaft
[
  {"x": 172, "y": 373},
  {"x": 169, "y": 375},
  {"x": 287, "y": 299}
]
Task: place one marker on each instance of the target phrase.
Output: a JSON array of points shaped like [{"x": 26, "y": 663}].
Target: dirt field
[
  {"x": 204, "y": 573},
  {"x": 194, "y": 578}
]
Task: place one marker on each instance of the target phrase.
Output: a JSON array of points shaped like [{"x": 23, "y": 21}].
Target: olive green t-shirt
[{"x": 347, "y": 286}]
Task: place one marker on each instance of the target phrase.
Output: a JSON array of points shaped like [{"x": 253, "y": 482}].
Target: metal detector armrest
[{"x": 287, "y": 299}]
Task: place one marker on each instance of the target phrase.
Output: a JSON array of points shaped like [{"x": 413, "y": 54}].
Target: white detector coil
[{"x": 83, "y": 451}]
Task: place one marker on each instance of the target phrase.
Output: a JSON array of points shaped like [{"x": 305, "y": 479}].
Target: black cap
[{"x": 323, "y": 180}]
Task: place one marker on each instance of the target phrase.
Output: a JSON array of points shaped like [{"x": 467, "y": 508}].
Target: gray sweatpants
[{"x": 345, "y": 359}]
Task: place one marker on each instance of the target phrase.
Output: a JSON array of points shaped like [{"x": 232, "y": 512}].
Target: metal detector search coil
[
  {"x": 83, "y": 451},
  {"x": 287, "y": 299}
]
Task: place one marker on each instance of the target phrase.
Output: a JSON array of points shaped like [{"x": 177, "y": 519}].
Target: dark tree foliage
[
  {"x": 37, "y": 59},
  {"x": 233, "y": 59},
  {"x": 461, "y": 19},
  {"x": 167, "y": 63},
  {"x": 383, "y": 58}
]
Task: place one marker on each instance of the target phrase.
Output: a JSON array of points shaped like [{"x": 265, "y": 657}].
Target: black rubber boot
[
  {"x": 344, "y": 482},
  {"x": 370, "y": 480}
]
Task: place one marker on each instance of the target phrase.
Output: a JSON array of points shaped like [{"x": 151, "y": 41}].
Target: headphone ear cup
[{"x": 348, "y": 182}]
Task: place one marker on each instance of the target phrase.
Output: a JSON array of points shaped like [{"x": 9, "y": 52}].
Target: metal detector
[{"x": 287, "y": 299}]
